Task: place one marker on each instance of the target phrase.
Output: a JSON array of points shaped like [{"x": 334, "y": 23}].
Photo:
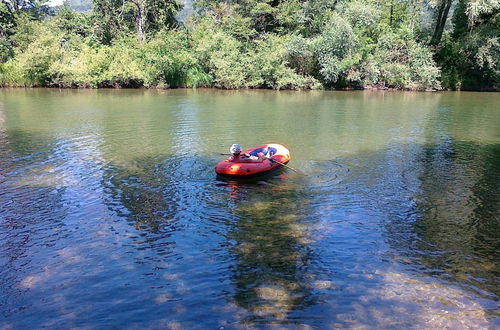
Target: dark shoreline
[{"x": 378, "y": 89}]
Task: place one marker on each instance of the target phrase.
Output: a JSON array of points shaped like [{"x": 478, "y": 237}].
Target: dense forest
[{"x": 279, "y": 44}]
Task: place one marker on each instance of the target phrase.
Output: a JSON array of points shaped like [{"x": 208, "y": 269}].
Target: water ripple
[{"x": 111, "y": 214}]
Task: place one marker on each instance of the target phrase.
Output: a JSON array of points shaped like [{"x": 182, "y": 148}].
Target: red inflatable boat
[{"x": 244, "y": 168}]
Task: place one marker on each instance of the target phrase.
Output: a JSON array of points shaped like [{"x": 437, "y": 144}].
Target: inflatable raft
[{"x": 243, "y": 168}]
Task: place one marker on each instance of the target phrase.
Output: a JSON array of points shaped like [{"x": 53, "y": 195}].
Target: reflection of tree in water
[
  {"x": 425, "y": 200},
  {"x": 136, "y": 193},
  {"x": 157, "y": 194},
  {"x": 458, "y": 226},
  {"x": 31, "y": 214},
  {"x": 272, "y": 255}
]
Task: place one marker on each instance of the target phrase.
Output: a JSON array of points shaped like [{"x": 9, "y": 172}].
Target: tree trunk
[
  {"x": 443, "y": 12},
  {"x": 391, "y": 13},
  {"x": 140, "y": 20},
  {"x": 141, "y": 27}
]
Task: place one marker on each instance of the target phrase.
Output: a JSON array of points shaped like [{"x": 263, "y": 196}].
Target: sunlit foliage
[{"x": 288, "y": 44}]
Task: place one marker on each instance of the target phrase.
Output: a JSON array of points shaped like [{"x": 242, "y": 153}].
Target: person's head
[{"x": 235, "y": 149}]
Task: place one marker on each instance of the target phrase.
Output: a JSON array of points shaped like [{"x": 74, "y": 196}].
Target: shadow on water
[
  {"x": 308, "y": 239},
  {"x": 258, "y": 222},
  {"x": 271, "y": 251},
  {"x": 455, "y": 206},
  {"x": 289, "y": 246},
  {"x": 442, "y": 227},
  {"x": 456, "y": 223}
]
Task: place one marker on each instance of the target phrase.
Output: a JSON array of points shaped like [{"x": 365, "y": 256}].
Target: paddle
[
  {"x": 283, "y": 164},
  {"x": 275, "y": 161}
]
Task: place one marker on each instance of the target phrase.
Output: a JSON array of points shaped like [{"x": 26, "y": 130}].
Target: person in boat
[
  {"x": 265, "y": 152},
  {"x": 238, "y": 157},
  {"x": 255, "y": 156}
]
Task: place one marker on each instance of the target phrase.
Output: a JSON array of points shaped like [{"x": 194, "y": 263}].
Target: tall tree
[
  {"x": 10, "y": 13},
  {"x": 7, "y": 26},
  {"x": 470, "y": 55},
  {"x": 441, "y": 18},
  {"x": 153, "y": 15},
  {"x": 144, "y": 15}
]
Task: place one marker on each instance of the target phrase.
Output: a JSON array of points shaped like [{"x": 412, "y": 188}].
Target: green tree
[
  {"x": 11, "y": 12},
  {"x": 115, "y": 17},
  {"x": 335, "y": 49},
  {"x": 441, "y": 18},
  {"x": 470, "y": 54},
  {"x": 7, "y": 29},
  {"x": 71, "y": 22},
  {"x": 32, "y": 66},
  {"x": 252, "y": 44}
]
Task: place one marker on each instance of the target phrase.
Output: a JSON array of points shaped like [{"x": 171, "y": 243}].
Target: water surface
[{"x": 111, "y": 215}]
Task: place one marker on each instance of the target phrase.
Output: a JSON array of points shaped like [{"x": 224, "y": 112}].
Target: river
[{"x": 111, "y": 215}]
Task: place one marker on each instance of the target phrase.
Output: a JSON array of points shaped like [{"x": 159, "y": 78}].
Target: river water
[{"x": 111, "y": 215}]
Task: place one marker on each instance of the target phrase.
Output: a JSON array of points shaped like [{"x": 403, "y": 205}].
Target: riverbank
[
  {"x": 366, "y": 88},
  {"x": 256, "y": 44}
]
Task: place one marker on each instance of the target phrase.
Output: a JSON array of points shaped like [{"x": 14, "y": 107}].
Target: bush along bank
[{"x": 250, "y": 44}]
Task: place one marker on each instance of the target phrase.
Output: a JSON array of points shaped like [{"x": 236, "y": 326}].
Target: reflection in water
[
  {"x": 138, "y": 193},
  {"x": 271, "y": 250},
  {"x": 111, "y": 215},
  {"x": 37, "y": 209},
  {"x": 460, "y": 211}
]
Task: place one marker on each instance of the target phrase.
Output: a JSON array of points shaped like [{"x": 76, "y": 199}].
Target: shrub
[
  {"x": 168, "y": 59},
  {"x": 404, "y": 63},
  {"x": 334, "y": 49},
  {"x": 31, "y": 67},
  {"x": 270, "y": 65}
]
